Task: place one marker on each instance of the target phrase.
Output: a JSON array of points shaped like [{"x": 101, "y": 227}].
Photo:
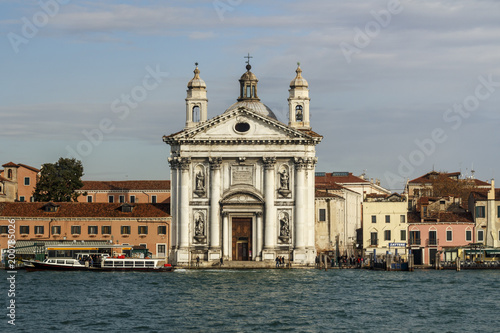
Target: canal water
[{"x": 277, "y": 300}]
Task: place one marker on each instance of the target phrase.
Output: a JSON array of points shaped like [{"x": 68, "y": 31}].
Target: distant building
[
  {"x": 385, "y": 225},
  {"x": 353, "y": 183},
  {"x": 439, "y": 225},
  {"x": 423, "y": 186},
  {"x": 134, "y": 224},
  {"x": 17, "y": 182},
  {"x": 130, "y": 191},
  {"x": 338, "y": 217},
  {"x": 485, "y": 207}
]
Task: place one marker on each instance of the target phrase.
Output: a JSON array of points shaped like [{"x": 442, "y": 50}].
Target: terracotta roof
[
  {"x": 341, "y": 178},
  {"x": 444, "y": 217},
  {"x": 82, "y": 209},
  {"x": 29, "y": 167},
  {"x": 427, "y": 177},
  {"x": 328, "y": 186},
  {"x": 2, "y": 179},
  {"x": 10, "y": 164},
  {"x": 129, "y": 185},
  {"x": 377, "y": 195},
  {"x": 480, "y": 195}
]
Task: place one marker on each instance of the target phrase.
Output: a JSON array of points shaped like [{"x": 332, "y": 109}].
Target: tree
[
  {"x": 443, "y": 185},
  {"x": 59, "y": 181}
]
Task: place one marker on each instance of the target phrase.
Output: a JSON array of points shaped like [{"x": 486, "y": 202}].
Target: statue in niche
[
  {"x": 284, "y": 180},
  {"x": 199, "y": 226},
  {"x": 200, "y": 181},
  {"x": 284, "y": 227}
]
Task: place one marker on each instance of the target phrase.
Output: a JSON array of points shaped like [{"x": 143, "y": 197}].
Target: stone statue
[
  {"x": 199, "y": 223},
  {"x": 200, "y": 181},
  {"x": 284, "y": 178},
  {"x": 284, "y": 228}
]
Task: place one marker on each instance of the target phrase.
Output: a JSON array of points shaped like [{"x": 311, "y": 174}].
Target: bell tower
[
  {"x": 196, "y": 100},
  {"x": 298, "y": 102}
]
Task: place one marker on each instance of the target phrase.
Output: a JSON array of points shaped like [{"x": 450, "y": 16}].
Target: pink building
[{"x": 438, "y": 225}]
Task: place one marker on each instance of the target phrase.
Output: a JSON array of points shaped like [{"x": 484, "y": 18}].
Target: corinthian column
[
  {"x": 270, "y": 214},
  {"x": 173, "y": 201},
  {"x": 300, "y": 203},
  {"x": 184, "y": 164},
  {"x": 215, "y": 163}
]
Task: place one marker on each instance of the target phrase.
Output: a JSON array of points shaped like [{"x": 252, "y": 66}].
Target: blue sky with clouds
[{"x": 397, "y": 87}]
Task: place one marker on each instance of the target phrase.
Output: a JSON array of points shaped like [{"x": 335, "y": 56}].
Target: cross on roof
[{"x": 248, "y": 58}]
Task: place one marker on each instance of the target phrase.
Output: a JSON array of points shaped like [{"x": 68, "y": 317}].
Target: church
[{"x": 242, "y": 183}]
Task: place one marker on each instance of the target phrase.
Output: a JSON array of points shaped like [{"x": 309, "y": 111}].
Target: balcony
[
  {"x": 415, "y": 241},
  {"x": 432, "y": 242}
]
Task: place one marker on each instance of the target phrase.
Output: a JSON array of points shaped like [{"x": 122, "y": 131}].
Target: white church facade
[{"x": 242, "y": 183}]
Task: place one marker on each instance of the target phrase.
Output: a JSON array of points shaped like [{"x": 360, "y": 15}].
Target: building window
[
  {"x": 449, "y": 235},
  {"x": 76, "y": 229},
  {"x": 24, "y": 229},
  {"x": 132, "y": 199},
  {"x": 433, "y": 237},
  {"x": 111, "y": 199},
  {"x": 414, "y": 237},
  {"x": 403, "y": 235},
  {"x": 498, "y": 211},
  {"x": 4, "y": 229},
  {"x": 322, "y": 215},
  {"x": 56, "y": 230},
  {"x": 388, "y": 219},
  {"x": 9, "y": 173},
  {"x": 122, "y": 198},
  {"x": 499, "y": 235},
  {"x": 425, "y": 211},
  {"x": 374, "y": 219},
  {"x": 196, "y": 113},
  {"x": 162, "y": 230},
  {"x": 160, "y": 250},
  {"x": 387, "y": 235},
  {"x": 143, "y": 230},
  {"x": 21, "y": 198},
  {"x": 39, "y": 230},
  {"x": 125, "y": 230},
  {"x": 480, "y": 235},
  {"x": 468, "y": 235},
  {"x": 480, "y": 211},
  {"x": 92, "y": 230},
  {"x": 373, "y": 239},
  {"x": 89, "y": 198},
  {"x": 27, "y": 181},
  {"x": 32, "y": 199},
  {"x": 153, "y": 199},
  {"x": 402, "y": 218},
  {"x": 106, "y": 230},
  {"x": 299, "y": 116}
]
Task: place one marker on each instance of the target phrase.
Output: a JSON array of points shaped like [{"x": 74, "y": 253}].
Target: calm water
[{"x": 255, "y": 301}]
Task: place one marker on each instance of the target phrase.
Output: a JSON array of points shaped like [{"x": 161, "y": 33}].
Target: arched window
[
  {"x": 196, "y": 113},
  {"x": 9, "y": 174},
  {"x": 249, "y": 92},
  {"x": 299, "y": 116}
]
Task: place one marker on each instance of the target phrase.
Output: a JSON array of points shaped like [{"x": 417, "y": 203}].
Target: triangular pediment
[{"x": 242, "y": 125}]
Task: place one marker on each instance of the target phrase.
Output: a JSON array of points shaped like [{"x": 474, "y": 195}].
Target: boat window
[
  {"x": 139, "y": 264},
  {"x": 60, "y": 261},
  {"x": 118, "y": 263},
  {"x": 108, "y": 263},
  {"x": 52, "y": 261},
  {"x": 129, "y": 263},
  {"x": 150, "y": 264}
]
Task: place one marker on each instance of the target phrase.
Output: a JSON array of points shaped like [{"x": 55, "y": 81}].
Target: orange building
[
  {"x": 131, "y": 191},
  {"x": 17, "y": 182},
  {"x": 125, "y": 224}
]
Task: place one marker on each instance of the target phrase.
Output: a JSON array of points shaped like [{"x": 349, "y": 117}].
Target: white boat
[
  {"x": 58, "y": 264},
  {"x": 134, "y": 264}
]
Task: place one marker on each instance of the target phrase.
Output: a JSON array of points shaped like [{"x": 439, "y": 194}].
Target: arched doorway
[{"x": 242, "y": 238}]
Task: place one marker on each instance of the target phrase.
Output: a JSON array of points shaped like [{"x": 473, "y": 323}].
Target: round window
[{"x": 242, "y": 127}]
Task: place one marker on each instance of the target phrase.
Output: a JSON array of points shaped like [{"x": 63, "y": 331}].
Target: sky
[{"x": 398, "y": 88}]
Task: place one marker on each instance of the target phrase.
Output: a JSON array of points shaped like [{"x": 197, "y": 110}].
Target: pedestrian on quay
[{"x": 197, "y": 261}]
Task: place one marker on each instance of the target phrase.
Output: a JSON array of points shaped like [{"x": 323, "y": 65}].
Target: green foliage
[{"x": 58, "y": 181}]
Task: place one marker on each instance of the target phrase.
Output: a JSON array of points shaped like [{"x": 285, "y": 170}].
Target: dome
[
  {"x": 256, "y": 106},
  {"x": 299, "y": 81},
  {"x": 196, "y": 81}
]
